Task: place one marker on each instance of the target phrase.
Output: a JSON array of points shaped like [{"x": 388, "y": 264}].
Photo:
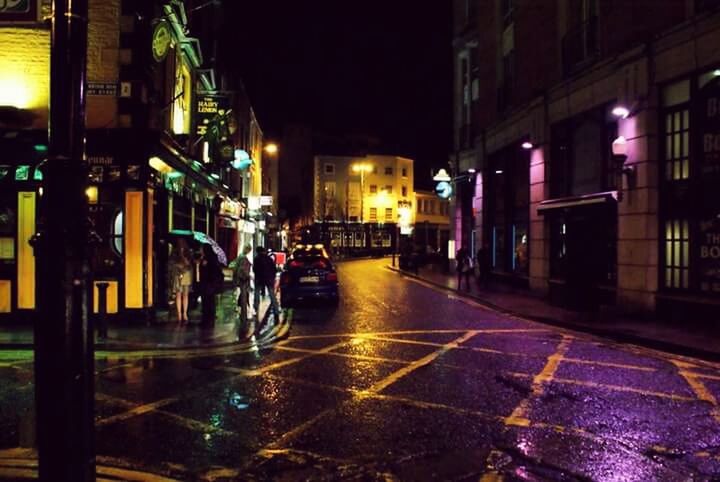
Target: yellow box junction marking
[
  {"x": 519, "y": 415},
  {"x": 699, "y": 389}
]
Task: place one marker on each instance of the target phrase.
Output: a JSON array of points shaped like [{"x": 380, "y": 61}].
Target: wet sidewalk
[
  {"x": 651, "y": 333},
  {"x": 166, "y": 333}
]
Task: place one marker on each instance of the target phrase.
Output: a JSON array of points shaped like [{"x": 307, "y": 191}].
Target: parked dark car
[{"x": 308, "y": 275}]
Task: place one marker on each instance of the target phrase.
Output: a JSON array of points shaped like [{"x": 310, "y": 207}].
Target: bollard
[{"x": 102, "y": 309}]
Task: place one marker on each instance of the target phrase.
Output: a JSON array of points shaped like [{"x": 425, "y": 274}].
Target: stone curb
[
  {"x": 617, "y": 336},
  {"x": 278, "y": 332}
]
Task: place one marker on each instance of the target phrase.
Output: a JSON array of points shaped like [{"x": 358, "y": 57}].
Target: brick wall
[
  {"x": 25, "y": 71},
  {"x": 102, "y": 60}
]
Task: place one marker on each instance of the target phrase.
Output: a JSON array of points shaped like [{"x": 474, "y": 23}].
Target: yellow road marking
[
  {"x": 264, "y": 452},
  {"x": 134, "y": 412},
  {"x": 346, "y": 355},
  {"x": 22, "y": 463},
  {"x": 618, "y": 388},
  {"x": 701, "y": 392},
  {"x": 464, "y": 411},
  {"x": 492, "y": 475},
  {"x": 394, "y": 377},
  {"x": 609, "y": 364},
  {"x": 519, "y": 415}
]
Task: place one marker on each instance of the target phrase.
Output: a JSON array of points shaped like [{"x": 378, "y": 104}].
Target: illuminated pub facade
[
  {"x": 590, "y": 166},
  {"x": 151, "y": 168}
]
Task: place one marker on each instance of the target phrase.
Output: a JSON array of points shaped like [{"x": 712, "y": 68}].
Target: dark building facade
[
  {"x": 537, "y": 90},
  {"x": 159, "y": 144}
]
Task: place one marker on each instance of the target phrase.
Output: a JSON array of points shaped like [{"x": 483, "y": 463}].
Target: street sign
[
  {"x": 19, "y": 11},
  {"x": 444, "y": 190},
  {"x": 266, "y": 201},
  {"x": 101, "y": 88}
]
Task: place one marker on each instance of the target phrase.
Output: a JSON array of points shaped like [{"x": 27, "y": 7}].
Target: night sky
[{"x": 382, "y": 68}]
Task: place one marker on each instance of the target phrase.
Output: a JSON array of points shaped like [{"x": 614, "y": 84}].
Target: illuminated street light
[
  {"x": 621, "y": 112},
  {"x": 271, "y": 148},
  {"x": 527, "y": 145}
]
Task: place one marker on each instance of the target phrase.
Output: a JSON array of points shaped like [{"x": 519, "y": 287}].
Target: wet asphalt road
[{"x": 400, "y": 382}]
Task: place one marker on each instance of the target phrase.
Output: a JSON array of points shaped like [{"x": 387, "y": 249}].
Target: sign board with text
[
  {"x": 101, "y": 88},
  {"x": 208, "y": 108},
  {"x": 19, "y": 11}
]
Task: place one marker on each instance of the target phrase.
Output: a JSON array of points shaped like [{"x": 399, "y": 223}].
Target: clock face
[{"x": 444, "y": 189}]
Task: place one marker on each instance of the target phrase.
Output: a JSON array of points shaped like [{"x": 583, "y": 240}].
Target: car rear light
[
  {"x": 320, "y": 264},
  {"x": 331, "y": 277},
  {"x": 284, "y": 278},
  {"x": 296, "y": 264}
]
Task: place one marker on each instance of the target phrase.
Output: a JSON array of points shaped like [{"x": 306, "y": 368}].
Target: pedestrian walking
[
  {"x": 464, "y": 267},
  {"x": 265, "y": 274},
  {"x": 484, "y": 266},
  {"x": 181, "y": 278},
  {"x": 242, "y": 275},
  {"x": 211, "y": 279}
]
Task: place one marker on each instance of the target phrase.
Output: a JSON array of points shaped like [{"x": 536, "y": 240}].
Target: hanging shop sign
[
  {"x": 253, "y": 203},
  {"x": 444, "y": 190},
  {"x": 210, "y": 111},
  {"x": 161, "y": 40},
  {"x": 709, "y": 259},
  {"x": 19, "y": 11},
  {"x": 709, "y": 113},
  {"x": 266, "y": 201}
]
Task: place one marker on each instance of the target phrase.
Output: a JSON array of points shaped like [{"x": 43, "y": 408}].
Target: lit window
[
  {"x": 677, "y": 254},
  {"x": 677, "y": 145},
  {"x": 388, "y": 214}
]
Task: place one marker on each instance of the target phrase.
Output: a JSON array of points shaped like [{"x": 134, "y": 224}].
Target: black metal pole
[{"x": 63, "y": 337}]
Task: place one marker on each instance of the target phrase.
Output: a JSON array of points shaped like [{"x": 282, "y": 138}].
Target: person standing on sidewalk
[
  {"x": 464, "y": 267},
  {"x": 211, "y": 280},
  {"x": 484, "y": 266},
  {"x": 265, "y": 274},
  {"x": 181, "y": 278},
  {"x": 242, "y": 275}
]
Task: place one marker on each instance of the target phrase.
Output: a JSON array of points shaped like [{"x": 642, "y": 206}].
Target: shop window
[
  {"x": 116, "y": 234},
  {"x": 677, "y": 145},
  {"x": 677, "y": 254},
  {"x": 373, "y": 214},
  {"x": 388, "y": 214}
]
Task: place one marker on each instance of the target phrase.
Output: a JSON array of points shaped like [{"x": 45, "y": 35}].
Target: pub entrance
[{"x": 583, "y": 245}]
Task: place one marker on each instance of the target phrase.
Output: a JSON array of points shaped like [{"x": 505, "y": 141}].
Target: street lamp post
[{"x": 64, "y": 372}]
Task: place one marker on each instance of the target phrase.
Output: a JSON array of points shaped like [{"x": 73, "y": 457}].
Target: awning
[
  {"x": 173, "y": 156},
  {"x": 601, "y": 198}
]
